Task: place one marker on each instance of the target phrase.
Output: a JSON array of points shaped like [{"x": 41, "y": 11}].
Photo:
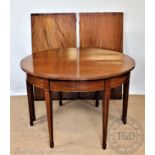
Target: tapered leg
[
  {"x": 60, "y": 98},
  {"x": 79, "y": 95},
  {"x": 105, "y": 112},
  {"x": 49, "y": 110},
  {"x": 30, "y": 96},
  {"x": 125, "y": 101},
  {"x": 97, "y": 98}
]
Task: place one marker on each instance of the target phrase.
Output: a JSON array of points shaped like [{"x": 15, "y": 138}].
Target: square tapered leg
[
  {"x": 49, "y": 110},
  {"x": 30, "y": 96}
]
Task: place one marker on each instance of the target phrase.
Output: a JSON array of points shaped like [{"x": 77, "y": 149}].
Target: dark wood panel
[
  {"x": 52, "y": 31},
  {"x": 102, "y": 30}
]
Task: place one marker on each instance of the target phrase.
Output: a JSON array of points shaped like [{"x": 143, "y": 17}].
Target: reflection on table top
[{"x": 77, "y": 64}]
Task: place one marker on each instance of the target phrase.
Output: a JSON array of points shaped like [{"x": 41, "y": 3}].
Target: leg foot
[
  {"x": 31, "y": 123},
  {"x": 104, "y": 146},
  {"x": 51, "y": 145},
  {"x": 124, "y": 120}
]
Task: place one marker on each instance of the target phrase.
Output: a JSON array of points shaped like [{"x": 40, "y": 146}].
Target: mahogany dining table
[{"x": 77, "y": 70}]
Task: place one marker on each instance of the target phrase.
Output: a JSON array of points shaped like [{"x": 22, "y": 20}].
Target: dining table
[{"x": 77, "y": 70}]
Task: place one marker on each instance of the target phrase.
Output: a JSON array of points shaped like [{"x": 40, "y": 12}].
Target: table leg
[
  {"x": 125, "y": 101},
  {"x": 79, "y": 97},
  {"x": 105, "y": 112},
  {"x": 30, "y": 96},
  {"x": 60, "y": 98},
  {"x": 49, "y": 110},
  {"x": 97, "y": 98}
]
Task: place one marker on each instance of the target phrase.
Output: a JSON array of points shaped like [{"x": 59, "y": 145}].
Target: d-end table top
[{"x": 77, "y": 64}]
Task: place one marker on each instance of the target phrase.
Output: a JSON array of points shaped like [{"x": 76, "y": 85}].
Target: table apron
[{"x": 76, "y": 86}]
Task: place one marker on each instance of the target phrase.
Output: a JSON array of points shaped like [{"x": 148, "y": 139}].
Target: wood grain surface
[
  {"x": 97, "y": 30},
  {"x": 77, "y": 64},
  {"x": 102, "y": 30},
  {"x": 52, "y": 31}
]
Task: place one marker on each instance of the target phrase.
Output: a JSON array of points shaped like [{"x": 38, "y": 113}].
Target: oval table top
[{"x": 77, "y": 64}]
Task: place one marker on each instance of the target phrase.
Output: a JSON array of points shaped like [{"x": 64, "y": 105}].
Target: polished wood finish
[
  {"x": 80, "y": 70},
  {"x": 52, "y": 31},
  {"x": 105, "y": 111},
  {"x": 77, "y": 64},
  {"x": 49, "y": 110},
  {"x": 30, "y": 102},
  {"x": 125, "y": 100},
  {"x": 38, "y": 82},
  {"x": 77, "y": 85},
  {"x": 103, "y": 30}
]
